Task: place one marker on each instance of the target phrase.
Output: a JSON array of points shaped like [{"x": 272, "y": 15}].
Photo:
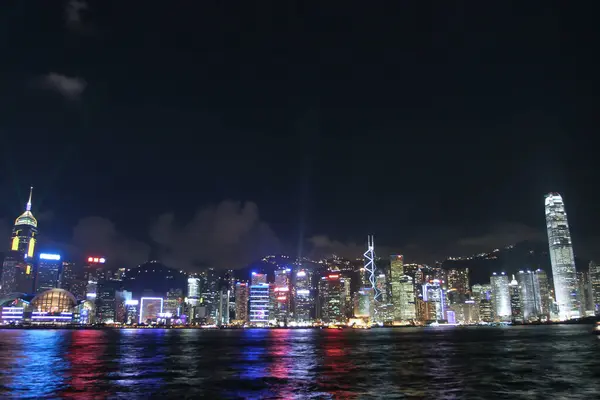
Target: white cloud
[{"x": 69, "y": 87}]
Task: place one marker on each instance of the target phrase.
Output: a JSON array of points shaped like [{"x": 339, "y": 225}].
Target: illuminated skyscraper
[
  {"x": 193, "y": 290},
  {"x": 48, "y": 272},
  {"x": 545, "y": 297},
  {"x": 17, "y": 268},
  {"x": 72, "y": 279},
  {"x": 259, "y": 304},
  {"x": 562, "y": 258},
  {"x": 458, "y": 279},
  {"x": 500, "y": 297},
  {"x": 594, "y": 271},
  {"x": 531, "y": 302},
  {"x": 435, "y": 300},
  {"x": 404, "y": 307},
  {"x": 304, "y": 297},
  {"x": 515, "y": 300},
  {"x": 396, "y": 275},
  {"x": 332, "y": 298},
  {"x": 241, "y": 302},
  {"x": 24, "y": 234},
  {"x": 282, "y": 301}
]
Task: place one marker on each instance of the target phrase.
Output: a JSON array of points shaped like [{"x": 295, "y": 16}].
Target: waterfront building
[
  {"x": 500, "y": 297},
  {"x": 531, "y": 302},
  {"x": 304, "y": 297},
  {"x": 281, "y": 296},
  {"x": 48, "y": 272},
  {"x": 173, "y": 304},
  {"x": 404, "y": 306},
  {"x": 223, "y": 307},
  {"x": 434, "y": 297},
  {"x": 24, "y": 233},
  {"x": 562, "y": 258},
  {"x": 72, "y": 279},
  {"x": 466, "y": 313},
  {"x": 586, "y": 294},
  {"x": 241, "y": 302},
  {"x": 545, "y": 295},
  {"x": 150, "y": 309},
  {"x": 515, "y": 300},
  {"x": 259, "y": 303},
  {"x": 333, "y": 291},
  {"x": 193, "y": 290},
  {"x": 364, "y": 300},
  {"x": 396, "y": 285},
  {"x": 594, "y": 271}
]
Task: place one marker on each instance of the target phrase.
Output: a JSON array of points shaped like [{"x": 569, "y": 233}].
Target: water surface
[{"x": 534, "y": 362}]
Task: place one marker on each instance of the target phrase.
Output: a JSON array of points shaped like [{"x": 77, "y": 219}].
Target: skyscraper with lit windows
[
  {"x": 500, "y": 297},
  {"x": 562, "y": 258},
  {"x": 17, "y": 268}
]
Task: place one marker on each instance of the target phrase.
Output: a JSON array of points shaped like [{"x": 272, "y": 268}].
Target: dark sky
[{"x": 213, "y": 132}]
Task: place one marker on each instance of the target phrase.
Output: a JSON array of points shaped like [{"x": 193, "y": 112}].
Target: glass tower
[
  {"x": 562, "y": 259},
  {"x": 501, "y": 297}
]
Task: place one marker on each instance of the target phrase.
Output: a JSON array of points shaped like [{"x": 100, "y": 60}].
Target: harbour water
[{"x": 527, "y": 362}]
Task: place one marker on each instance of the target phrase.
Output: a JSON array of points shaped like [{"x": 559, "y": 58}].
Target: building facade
[{"x": 562, "y": 258}]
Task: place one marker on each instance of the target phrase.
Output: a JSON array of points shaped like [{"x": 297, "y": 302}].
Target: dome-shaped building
[{"x": 53, "y": 301}]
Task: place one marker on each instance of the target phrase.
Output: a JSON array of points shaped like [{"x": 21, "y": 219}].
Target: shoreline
[{"x": 63, "y": 327}]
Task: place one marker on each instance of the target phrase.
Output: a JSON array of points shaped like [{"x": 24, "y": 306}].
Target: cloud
[
  {"x": 324, "y": 246},
  {"x": 70, "y": 87},
  {"x": 96, "y": 235},
  {"x": 228, "y": 235},
  {"x": 74, "y": 13}
]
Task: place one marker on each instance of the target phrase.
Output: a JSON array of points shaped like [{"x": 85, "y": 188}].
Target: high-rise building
[
  {"x": 173, "y": 303},
  {"x": 72, "y": 279},
  {"x": 241, "y": 302},
  {"x": 594, "y": 271},
  {"x": 396, "y": 275},
  {"x": 500, "y": 297},
  {"x": 458, "y": 279},
  {"x": 48, "y": 272},
  {"x": 259, "y": 303},
  {"x": 404, "y": 304},
  {"x": 106, "y": 301},
  {"x": 531, "y": 302},
  {"x": 545, "y": 297},
  {"x": 586, "y": 297},
  {"x": 304, "y": 297},
  {"x": 382, "y": 287},
  {"x": 515, "y": 300},
  {"x": 17, "y": 267},
  {"x": 363, "y": 303},
  {"x": 332, "y": 298},
  {"x": 223, "y": 310},
  {"x": 24, "y": 234},
  {"x": 562, "y": 258},
  {"x": 193, "y": 290},
  {"x": 281, "y": 292},
  {"x": 94, "y": 274},
  {"x": 257, "y": 279},
  {"x": 482, "y": 295},
  {"x": 434, "y": 298}
]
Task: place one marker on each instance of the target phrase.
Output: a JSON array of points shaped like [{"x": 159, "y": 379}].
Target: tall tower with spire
[
  {"x": 24, "y": 234},
  {"x": 17, "y": 269}
]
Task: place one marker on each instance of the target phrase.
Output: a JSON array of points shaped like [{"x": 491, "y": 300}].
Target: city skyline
[{"x": 352, "y": 251}]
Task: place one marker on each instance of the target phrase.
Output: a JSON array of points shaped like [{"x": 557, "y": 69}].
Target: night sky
[{"x": 212, "y": 133}]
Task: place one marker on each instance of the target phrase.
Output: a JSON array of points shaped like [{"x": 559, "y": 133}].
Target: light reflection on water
[{"x": 470, "y": 363}]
